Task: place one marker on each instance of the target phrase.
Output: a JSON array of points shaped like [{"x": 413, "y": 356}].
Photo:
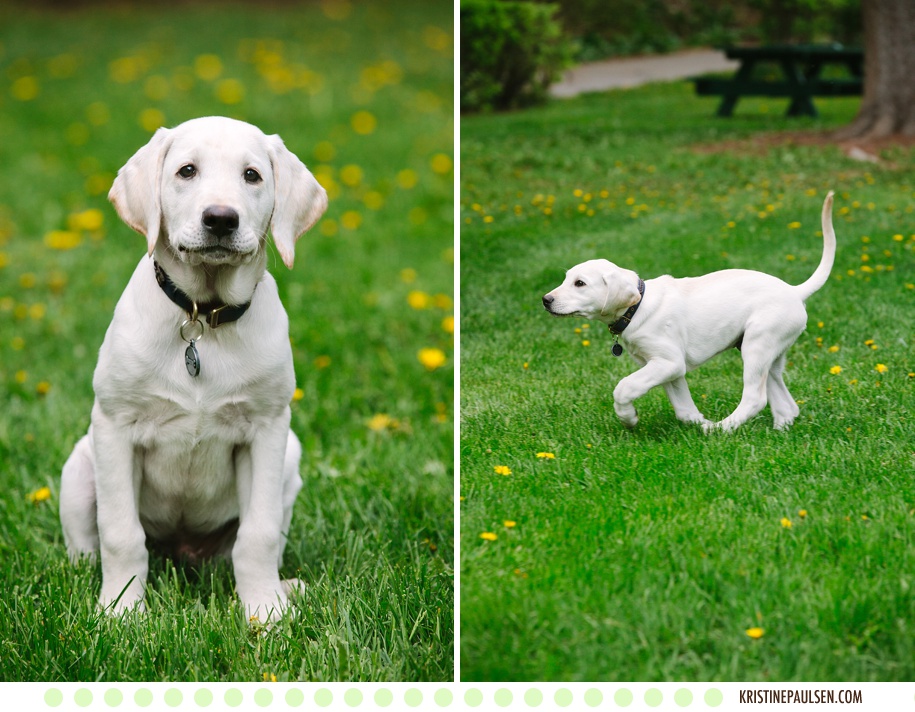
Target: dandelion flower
[
  {"x": 448, "y": 324},
  {"x": 786, "y": 523},
  {"x": 488, "y": 536},
  {"x": 802, "y": 513},
  {"x": 43, "y": 388},
  {"x": 508, "y": 523},
  {"x": 418, "y": 300},
  {"x": 379, "y": 422},
  {"x": 62, "y": 239},
  {"x": 546, "y": 456},
  {"x": 835, "y": 370},
  {"x": 39, "y": 495},
  {"x": 502, "y": 470},
  {"x": 298, "y": 394},
  {"x": 363, "y": 123},
  {"x": 432, "y": 358},
  {"x": 881, "y": 368},
  {"x": 755, "y": 633},
  {"x": 322, "y": 361}
]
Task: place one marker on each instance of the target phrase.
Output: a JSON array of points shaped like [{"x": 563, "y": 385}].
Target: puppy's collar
[
  {"x": 214, "y": 313},
  {"x": 619, "y": 326}
]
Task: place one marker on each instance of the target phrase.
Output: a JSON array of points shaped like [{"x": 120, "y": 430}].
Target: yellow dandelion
[
  {"x": 441, "y": 163},
  {"x": 322, "y": 361},
  {"x": 802, "y": 513},
  {"x": 379, "y": 422},
  {"x": 39, "y": 495},
  {"x": 502, "y": 470},
  {"x": 448, "y": 324},
  {"x": 407, "y": 178},
  {"x": 835, "y": 370},
  {"x": 62, "y": 239},
  {"x": 794, "y": 225},
  {"x": 89, "y": 220},
  {"x": 408, "y": 275},
  {"x": 43, "y": 388},
  {"x": 208, "y": 67},
  {"x": 833, "y": 349},
  {"x": 432, "y": 358},
  {"x": 363, "y": 123},
  {"x": 881, "y": 368},
  {"x": 351, "y": 220},
  {"x": 755, "y": 633},
  {"x": 786, "y": 523},
  {"x": 869, "y": 342},
  {"x": 230, "y": 91},
  {"x": 488, "y": 536},
  {"x": 509, "y": 524},
  {"x": 351, "y": 175},
  {"x": 21, "y": 377},
  {"x": 25, "y": 88},
  {"x": 151, "y": 119},
  {"x": 418, "y": 300},
  {"x": 585, "y": 342},
  {"x": 546, "y": 456},
  {"x": 298, "y": 394}
]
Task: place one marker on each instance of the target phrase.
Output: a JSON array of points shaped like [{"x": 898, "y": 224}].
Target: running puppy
[
  {"x": 189, "y": 447},
  {"x": 671, "y": 326}
]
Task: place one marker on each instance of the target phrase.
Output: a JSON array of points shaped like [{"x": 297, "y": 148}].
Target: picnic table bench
[{"x": 801, "y": 66}]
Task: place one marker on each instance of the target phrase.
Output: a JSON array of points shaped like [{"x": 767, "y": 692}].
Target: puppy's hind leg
[
  {"x": 757, "y": 362},
  {"x": 784, "y": 408},
  {"x": 78, "y": 504}
]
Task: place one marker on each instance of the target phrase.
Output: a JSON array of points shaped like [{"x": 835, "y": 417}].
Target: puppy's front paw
[
  {"x": 270, "y": 606},
  {"x": 627, "y": 414}
]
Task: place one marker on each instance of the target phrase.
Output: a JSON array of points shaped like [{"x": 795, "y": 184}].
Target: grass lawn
[
  {"x": 653, "y": 554},
  {"x": 362, "y": 92}
]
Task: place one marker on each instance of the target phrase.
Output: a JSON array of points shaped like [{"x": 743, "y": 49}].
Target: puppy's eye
[
  {"x": 187, "y": 171},
  {"x": 252, "y": 176},
  {"x": 579, "y": 283}
]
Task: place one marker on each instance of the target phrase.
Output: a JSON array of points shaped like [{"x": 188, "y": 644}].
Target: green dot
[
  {"x": 593, "y": 697},
  {"x": 263, "y": 697},
  {"x": 295, "y": 697},
  {"x": 622, "y": 697},
  {"x": 713, "y": 697},
  {"x": 143, "y": 697},
  {"x": 384, "y": 697},
  {"x": 533, "y": 697},
  {"x": 173, "y": 697},
  {"x": 203, "y": 698},
  {"x": 352, "y": 697},
  {"x": 324, "y": 697},
  {"x": 53, "y": 697},
  {"x": 503, "y": 697},
  {"x": 563, "y": 697},
  {"x": 113, "y": 697},
  {"x": 653, "y": 697},
  {"x": 413, "y": 697},
  {"x": 233, "y": 697},
  {"x": 683, "y": 697},
  {"x": 83, "y": 697},
  {"x": 443, "y": 697},
  {"x": 473, "y": 697}
]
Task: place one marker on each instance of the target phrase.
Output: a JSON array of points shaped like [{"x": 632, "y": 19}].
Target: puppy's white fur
[
  {"x": 681, "y": 323},
  {"x": 169, "y": 457}
]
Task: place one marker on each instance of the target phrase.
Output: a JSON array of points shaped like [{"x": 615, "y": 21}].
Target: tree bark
[{"x": 888, "y": 104}]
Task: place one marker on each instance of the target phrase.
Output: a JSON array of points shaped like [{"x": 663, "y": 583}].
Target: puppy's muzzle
[
  {"x": 220, "y": 220},
  {"x": 548, "y": 302}
]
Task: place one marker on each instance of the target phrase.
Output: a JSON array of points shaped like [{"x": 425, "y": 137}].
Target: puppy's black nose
[
  {"x": 220, "y": 220},
  {"x": 547, "y": 300}
]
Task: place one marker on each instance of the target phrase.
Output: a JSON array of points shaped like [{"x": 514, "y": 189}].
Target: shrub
[{"x": 510, "y": 53}]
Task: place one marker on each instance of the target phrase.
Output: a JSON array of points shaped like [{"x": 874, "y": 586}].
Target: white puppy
[
  {"x": 189, "y": 448},
  {"x": 670, "y": 326}
]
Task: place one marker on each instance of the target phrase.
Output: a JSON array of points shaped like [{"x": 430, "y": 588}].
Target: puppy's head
[
  {"x": 212, "y": 187},
  {"x": 596, "y": 289}
]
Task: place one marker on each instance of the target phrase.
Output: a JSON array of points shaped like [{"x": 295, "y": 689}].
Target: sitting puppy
[
  {"x": 189, "y": 447},
  {"x": 671, "y": 326}
]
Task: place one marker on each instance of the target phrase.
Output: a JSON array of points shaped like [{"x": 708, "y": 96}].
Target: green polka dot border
[{"x": 336, "y": 697}]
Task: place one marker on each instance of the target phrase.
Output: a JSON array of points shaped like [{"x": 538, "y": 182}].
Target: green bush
[{"x": 510, "y": 53}]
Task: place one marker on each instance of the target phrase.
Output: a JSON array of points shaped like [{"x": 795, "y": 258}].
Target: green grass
[
  {"x": 372, "y": 533},
  {"x": 648, "y": 554}
]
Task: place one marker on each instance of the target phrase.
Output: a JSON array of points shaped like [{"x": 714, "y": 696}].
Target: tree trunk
[{"x": 888, "y": 104}]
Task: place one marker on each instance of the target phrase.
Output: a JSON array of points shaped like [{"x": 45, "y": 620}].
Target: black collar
[
  {"x": 619, "y": 326},
  {"x": 215, "y": 313}
]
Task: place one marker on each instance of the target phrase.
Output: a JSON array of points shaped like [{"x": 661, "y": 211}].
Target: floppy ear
[
  {"x": 622, "y": 293},
  {"x": 135, "y": 191},
  {"x": 299, "y": 200}
]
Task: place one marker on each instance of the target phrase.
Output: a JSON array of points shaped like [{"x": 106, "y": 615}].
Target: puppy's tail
[{"x": 819, "y": 277}]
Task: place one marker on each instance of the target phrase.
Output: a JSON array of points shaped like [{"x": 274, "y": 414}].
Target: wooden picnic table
[{"x": 801, "y": 68}]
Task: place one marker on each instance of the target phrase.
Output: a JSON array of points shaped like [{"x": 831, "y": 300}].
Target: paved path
[{"x": 633, "y": 71}]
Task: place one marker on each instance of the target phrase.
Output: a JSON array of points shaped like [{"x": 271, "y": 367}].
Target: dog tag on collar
[
  {"x": 192, "y": 359},
  {"x": 617, "y": 350}
]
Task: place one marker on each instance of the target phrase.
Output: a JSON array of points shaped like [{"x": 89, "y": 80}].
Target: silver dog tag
[{"x": 192, "y": 360}]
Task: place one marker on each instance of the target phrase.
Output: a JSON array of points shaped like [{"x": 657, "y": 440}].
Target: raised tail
[{"x": 819, "y": 277}]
